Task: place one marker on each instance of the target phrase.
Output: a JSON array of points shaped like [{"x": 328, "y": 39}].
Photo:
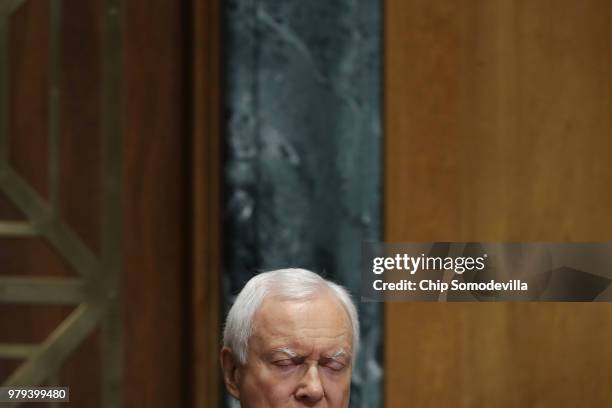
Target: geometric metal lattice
[{"x": 95, "y": 293}]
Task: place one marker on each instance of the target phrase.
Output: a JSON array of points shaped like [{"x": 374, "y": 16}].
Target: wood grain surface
[
  {"x": 156, "y": 209},
  {"x": 497, "y": 126},
  {"x": 206, "y": 179}
]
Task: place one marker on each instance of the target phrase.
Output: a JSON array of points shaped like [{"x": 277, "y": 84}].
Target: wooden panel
[
  {"x": 206, "y": 201},
  {"x": 79, "y": 141},
  {"x": 156, "y": 211},
  {"x": 497, "y": 128},
  {"x": 28, "y": 89}
]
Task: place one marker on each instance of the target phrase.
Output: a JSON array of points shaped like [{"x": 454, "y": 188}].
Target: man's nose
[{"x": 310, "y": 389}]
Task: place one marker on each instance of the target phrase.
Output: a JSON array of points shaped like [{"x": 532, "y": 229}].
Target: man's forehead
[
  {"x": 302, "y": 325},
  {"x": 317, "y": 311}
]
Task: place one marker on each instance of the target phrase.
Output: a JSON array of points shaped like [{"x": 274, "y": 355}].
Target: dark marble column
[{"x": 303, "y": 149}]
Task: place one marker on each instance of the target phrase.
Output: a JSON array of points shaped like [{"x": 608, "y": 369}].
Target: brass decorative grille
[{"x": 95, "y": 293}]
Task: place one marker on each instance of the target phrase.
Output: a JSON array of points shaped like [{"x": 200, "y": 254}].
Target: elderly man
[{"x": 290, "y": 340}]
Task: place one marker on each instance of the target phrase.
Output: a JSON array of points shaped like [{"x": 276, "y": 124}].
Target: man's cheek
[
  {"x": 277, "y": 388},
  {"x": 337, "y": 388},
  {"x": 281, "y": 392}
]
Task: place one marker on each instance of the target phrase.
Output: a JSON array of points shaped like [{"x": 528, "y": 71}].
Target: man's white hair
[{"x": 288, "y": 284}]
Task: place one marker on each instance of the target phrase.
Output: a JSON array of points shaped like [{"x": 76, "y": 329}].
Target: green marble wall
[{"x": 303, "y": 149}]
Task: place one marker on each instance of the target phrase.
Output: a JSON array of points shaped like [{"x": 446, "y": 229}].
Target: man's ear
[{"x": 229, "y": 366}]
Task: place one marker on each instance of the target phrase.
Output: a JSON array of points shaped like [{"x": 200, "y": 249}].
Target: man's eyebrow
[
  {"x": 287, "y": 351},
  {"x": 339, "y": 353}
]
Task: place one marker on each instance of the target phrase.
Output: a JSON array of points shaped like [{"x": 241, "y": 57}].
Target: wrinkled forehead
[{"x": 317, "y": 324}]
